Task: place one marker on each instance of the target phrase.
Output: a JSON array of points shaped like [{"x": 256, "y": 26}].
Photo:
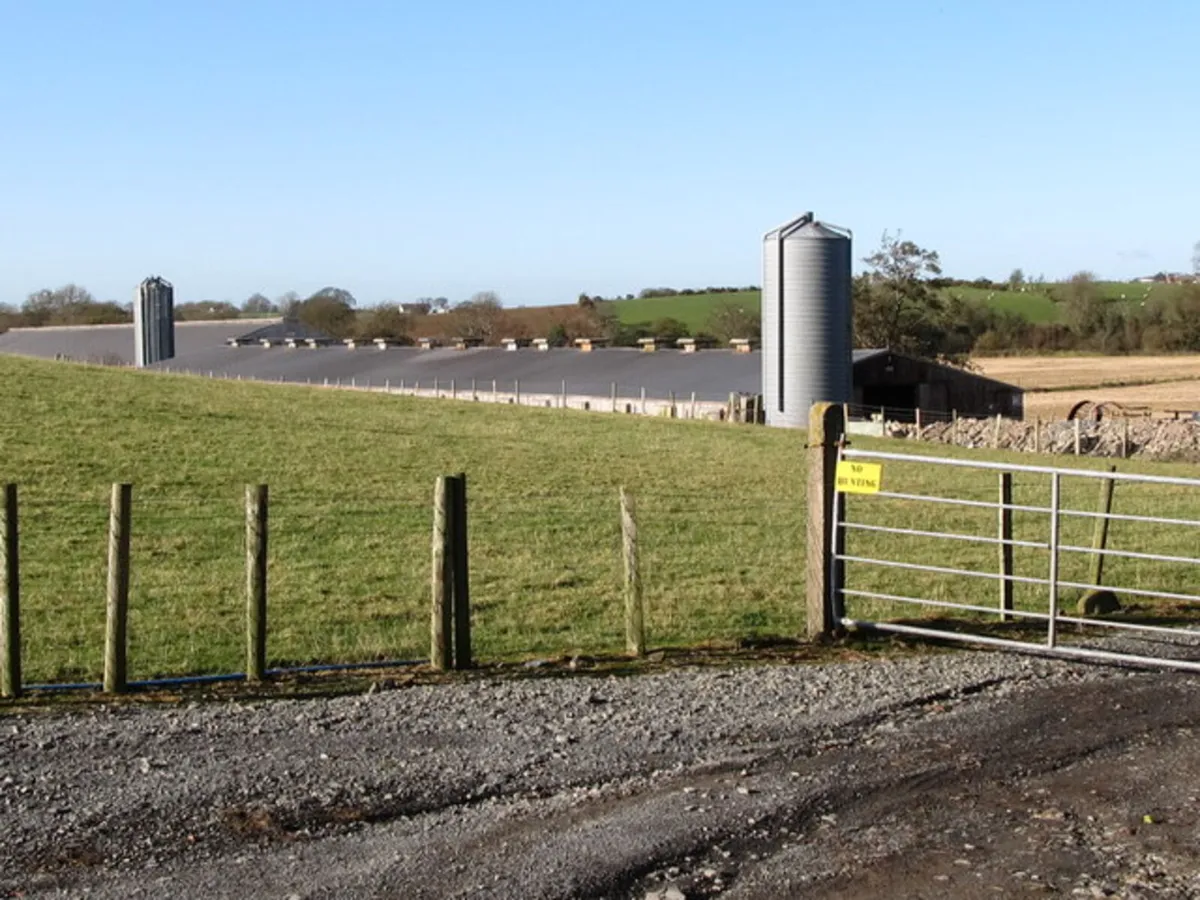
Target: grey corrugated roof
[
  {"x": 712, "y": 374},
  {"x": 93, "y": 343},
  {"x": 285, "y": 330},
  {"x": 202, "y": 347}
]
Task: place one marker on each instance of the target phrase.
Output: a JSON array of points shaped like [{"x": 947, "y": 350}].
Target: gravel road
[{"x": 947, "y": 775}]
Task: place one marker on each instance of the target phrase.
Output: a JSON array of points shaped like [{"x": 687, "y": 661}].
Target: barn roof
[{"x": 203, "y": 347}]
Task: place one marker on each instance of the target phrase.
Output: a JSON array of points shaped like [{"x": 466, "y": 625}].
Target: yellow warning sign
[{"x": 858, "y": 478}]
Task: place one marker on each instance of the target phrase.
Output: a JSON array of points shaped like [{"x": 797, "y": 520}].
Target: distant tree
[
  {"x": 1196, "y": 258},
  {"x": 385, "y": 321},
  {"x": 668, "y": 329},
  {"x": 258, "y": 305},
  {"x": 441, "y": 304},
  {"x": 1016, "y": 280},
  {"x": 70, "y": 305},
  {"x": 341, "y": 295},
  {"x": 1083, "y": 304},
  {"x": 329, "y": 311},
  {"x": 557, "y": 336},
  {"x": 894, "y": 305},
  {"x": 288, "y": 305},
  {"x": 730, "y": 320},
  {"x": 481, "y": 316}
]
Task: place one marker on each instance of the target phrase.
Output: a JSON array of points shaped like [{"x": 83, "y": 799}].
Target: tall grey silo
[
  {"x": 153, "y": 322},
  {"x": 807, "y": 320}
]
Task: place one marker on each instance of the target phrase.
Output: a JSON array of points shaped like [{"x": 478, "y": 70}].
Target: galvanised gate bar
[{"x": 1171, "y": 646}]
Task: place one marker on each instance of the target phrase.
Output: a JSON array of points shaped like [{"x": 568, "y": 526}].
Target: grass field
[
  {"x": 721, "y": 509},
  {"x": 351, "y": 480},
  {"x": 693, "y": 310},
  {"x": 1035, "y": 303}
]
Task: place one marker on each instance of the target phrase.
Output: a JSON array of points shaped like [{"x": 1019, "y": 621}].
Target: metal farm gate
[{"x": 1016, "y": 556}]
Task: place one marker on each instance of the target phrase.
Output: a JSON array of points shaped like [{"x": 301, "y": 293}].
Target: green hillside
[{"x": 1034, "y": 302}]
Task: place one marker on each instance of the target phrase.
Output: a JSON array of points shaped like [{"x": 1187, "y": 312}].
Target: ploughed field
[
  {"x": 1054, "y": 384},
  {"x": 721, "y": 516}
]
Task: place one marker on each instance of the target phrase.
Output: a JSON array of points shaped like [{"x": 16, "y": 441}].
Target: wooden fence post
[
  {"x": 635, "y": 624},
  {"x": 1125, "y": 437},
  {"x": 1006, "y": 547},
  {"x": 693, "y": 413},
  {"x": 461, "y": 571},
  {"x": 119, "y": 521},
  {"x": 643, "y": 401},
  {"x": 1078, "y": 435},
  {"x": 823, "y": 579},
  {"x": 440, "y": 653},
  {"x": 614, "y": 396},
  {"x": 10, "y": 616},
  {"x": 996, "y": 433},
  {"x": 1100, "y": 529},
  {"x": 517, "y": 392},
  {"x": 256, "y": 582},
  {"x": 1037, "y": 434}
]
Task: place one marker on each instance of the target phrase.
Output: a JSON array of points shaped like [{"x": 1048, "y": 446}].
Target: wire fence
[{"x": 349, "y": 575}]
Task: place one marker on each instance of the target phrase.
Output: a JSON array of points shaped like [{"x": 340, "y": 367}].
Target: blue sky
[{"x": 542, "y": 149}]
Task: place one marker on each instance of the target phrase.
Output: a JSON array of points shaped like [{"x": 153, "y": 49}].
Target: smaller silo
[
  {"x": 807, "y": 320},
  {"x": 153, "y": 322}
]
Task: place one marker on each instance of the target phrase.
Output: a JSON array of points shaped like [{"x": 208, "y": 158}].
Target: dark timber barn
[{"x": 902, "y": 383}]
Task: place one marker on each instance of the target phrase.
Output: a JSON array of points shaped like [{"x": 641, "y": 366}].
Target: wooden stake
[
  {"x": 1006, "y": 547},
  {"x": 1100, "y": 529},
  {"x": 440, "y": 654},
  {"x": 10, "y": 584},
  {"x": 256, "y": 582},
  {"x": 116, "y": 631},
  {"x": 823, "y": 579},
  {"x": 635, "y": 629},
  {"x": 1078, "y": 435}
]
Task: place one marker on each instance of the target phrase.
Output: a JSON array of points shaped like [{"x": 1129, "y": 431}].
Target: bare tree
[
  {"x": 1196, "y": 258},
  {"x": 288, "y": 304},
  {"x": 70, "y": 305},
  {"x": 481, "y": 316},
  {"x": 258, "y": 305}
]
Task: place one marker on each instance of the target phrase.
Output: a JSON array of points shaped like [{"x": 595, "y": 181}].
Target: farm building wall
[{"x": 900, "y": 382}]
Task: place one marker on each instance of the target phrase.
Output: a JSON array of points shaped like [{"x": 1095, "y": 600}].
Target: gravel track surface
[{"x": 950, "y": 775}]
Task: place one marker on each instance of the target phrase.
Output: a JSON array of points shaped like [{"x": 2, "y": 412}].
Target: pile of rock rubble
[{"x": 1143, "y": 438}]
